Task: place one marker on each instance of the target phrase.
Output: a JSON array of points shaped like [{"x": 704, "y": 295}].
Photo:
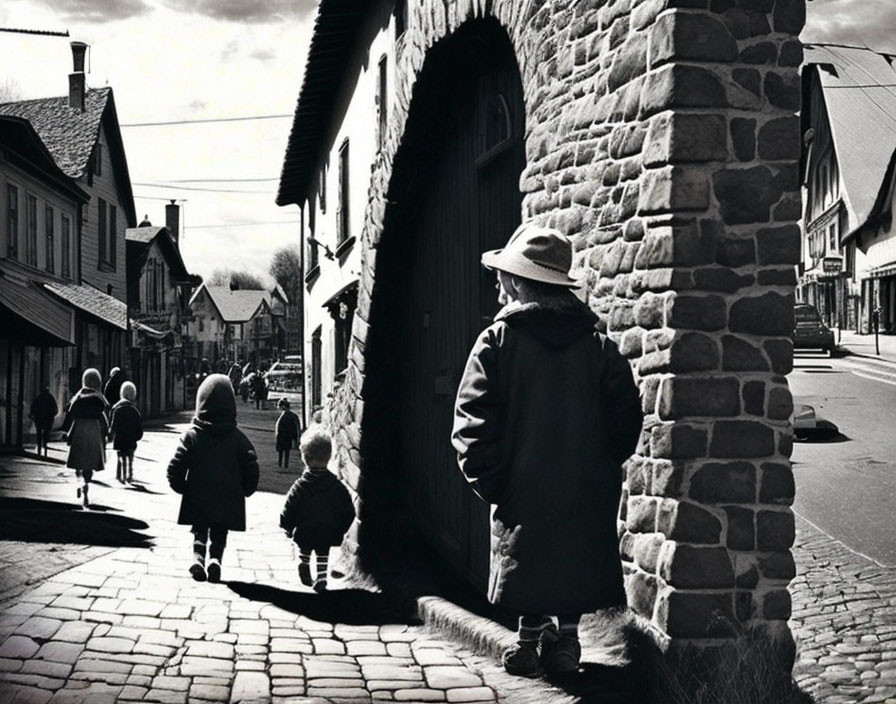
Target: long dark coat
[
  {"x": 126, "y": 427},
  {"x": 215, "y": 466},
  {"x": 112, "y": 390},
  {"x": 318, "y": 509},
  {"x": 286, "y": 431},
  {"x": 547, "y": 411},
  {"x": 44, "y": 410},
  {"x": 86, "y": 425}
]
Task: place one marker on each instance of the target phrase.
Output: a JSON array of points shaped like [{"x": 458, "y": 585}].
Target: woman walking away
[
  {"x": 86, "y": 426},
  {"x": 286, "y": 432},
  {"x": 126, "y": 431},
  {"x": 546, "y": 413},
  {"x": 112, "y": 390},
  {"x": 215, "y": 468},
  {"x": 43, "y": 412}
]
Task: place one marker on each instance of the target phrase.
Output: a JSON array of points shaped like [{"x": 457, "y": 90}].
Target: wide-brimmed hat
[{"x": 535, "y": 252}]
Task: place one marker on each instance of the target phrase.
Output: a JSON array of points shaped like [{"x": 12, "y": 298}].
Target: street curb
[{"x": 477, "y": 633}]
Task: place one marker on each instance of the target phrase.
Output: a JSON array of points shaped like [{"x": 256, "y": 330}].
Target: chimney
[
  {"x": 77, "y": 82},
  {"x": 172, "y": 221}
]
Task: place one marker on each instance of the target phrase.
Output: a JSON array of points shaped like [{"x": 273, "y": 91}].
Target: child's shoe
[
  {"x": 562, "y": 656},
  {"x": 320, "y": 585},
  {"x": 522, "y": 659},
  {"x": 214, "y": 571},
  {"x": 197, "y": 571},
  {"x": 305, "y": 574}
]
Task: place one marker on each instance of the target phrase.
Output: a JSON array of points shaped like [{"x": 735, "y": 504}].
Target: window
[
  {"x": 382, "y": 106},
  {"x": 101, "y": 230},
  {"x": 832, "y": 237},
  {"x": 49, "y": 226},
  {"x": 342, "y": 214},
  {"x": 342, "y": 310},
  {"x": 201, "y": 324},
  {"x": 31, "y": 230},
  {"x": 12, "y": 221},
  {"x": 316, "y": 388},
  {"x": 113, "y": 227},
  {"x": 107, "y": 224},
  {"x": 322, "y": 188},
  {"x": 65, "y": 269}
]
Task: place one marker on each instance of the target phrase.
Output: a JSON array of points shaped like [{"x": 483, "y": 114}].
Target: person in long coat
[
  {"x": 286, "y": 432},
  {"x": 86, "y": 427},
  {"x": 126, "y": 430},
  {"x": 215, "y": 468},
  {"x": 43, "y": 413},
  {"x": 546, "y": 413},
  {"x": 112, "y": 390}
]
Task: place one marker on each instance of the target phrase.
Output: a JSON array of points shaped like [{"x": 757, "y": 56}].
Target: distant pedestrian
[
  {"x": 547, "y": 411},
  {"x": 86, "y": 427},
  {"x": 236, "y": 376},
  {"x": 126, "y": 430},
  {"x": 318, "y": 509},
  {"x": 260, "y": 390},
  {"x": 43, "y": 413},
  {"x": 286, "y": 432},
  {"x": 215, "y": 468},
  {"x": 112, "y": 390}
]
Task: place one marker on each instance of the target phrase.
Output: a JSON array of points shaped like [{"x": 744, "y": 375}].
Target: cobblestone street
[{"x": 99, "y": 624}]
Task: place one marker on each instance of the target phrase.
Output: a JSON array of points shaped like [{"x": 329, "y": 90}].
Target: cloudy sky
[{"x": 231, "y": 59}]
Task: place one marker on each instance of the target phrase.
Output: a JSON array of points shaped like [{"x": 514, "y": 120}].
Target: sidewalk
[
  {"x": 864, "y": 345},
  {"x": 126, "y": 623}
]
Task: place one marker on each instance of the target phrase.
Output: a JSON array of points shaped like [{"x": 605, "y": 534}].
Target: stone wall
[{"x": 662, "y": 138}]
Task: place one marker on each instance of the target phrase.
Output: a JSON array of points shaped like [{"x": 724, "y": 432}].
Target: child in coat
[
  {"x": 43, "y": 412},
  {"x": 286, "y": 432},
  {"x": 126, "y": 430},
  {"x": 318, "y": 509},
  {"x": 86, "y": 427},
  {"x": 215, "y": 468}
]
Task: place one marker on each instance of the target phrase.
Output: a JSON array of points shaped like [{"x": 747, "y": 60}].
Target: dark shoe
[
  {"x": 305, "y": 574},
  {"x": 197, "y": 571},
  {"x": 320, "y": 585},
  {"x": 562, "y": 656},
  {"x": 522, "y": 660},
  {"x": 214, "y": 571}
]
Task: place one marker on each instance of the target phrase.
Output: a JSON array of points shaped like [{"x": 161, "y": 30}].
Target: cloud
[
  {"x": 93, "y": 11},
  {"x": 229, "y": 50},
  {"x": 858, "y": 22},
  {"x": 252, "y": 11},
  {"x": 263, "y": 55}
]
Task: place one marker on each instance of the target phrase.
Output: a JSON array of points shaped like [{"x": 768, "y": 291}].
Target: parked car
[
  {"x": 809, "y": 331},
  {"x": 286, "y": 379}
]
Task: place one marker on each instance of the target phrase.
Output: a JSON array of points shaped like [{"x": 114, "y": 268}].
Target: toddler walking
[
  {"x": 215, "y": 468},
  {"x": 318, "y": 509},
  {"x": 126, "y": 430}
]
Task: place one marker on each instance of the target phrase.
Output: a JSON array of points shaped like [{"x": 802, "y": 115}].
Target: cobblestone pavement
[
  {"x": 844, "y": 618},
  {"x": 128, "y": 624}
]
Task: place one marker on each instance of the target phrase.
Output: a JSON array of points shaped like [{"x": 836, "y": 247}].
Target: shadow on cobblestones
[
  {"x": 353, "y": 607},
  {"x": 35, "y": 521}
]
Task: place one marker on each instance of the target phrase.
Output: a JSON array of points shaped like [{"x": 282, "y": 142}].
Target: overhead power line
[
  {"x": 244, "y": 224},
  {"x": 220, "y": 180},
  {"x": 179, "y": 200},
  {"x": 42, "y": 32},
  {"x": 197, "y": 188},
  {"x": 203, "y": 120}
]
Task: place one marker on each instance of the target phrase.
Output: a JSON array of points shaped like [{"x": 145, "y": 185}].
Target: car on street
[
  {"x": 286, "y": 379},
  {"x": 809, "y": 331}
]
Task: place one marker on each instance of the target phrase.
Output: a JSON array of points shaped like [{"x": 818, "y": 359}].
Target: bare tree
[
  {"x": 286, "y": 268},
  {"x": 10, "y": 91},
  {"x": 235, "y": 279}
]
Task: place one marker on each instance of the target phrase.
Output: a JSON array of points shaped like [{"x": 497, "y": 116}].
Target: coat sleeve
[
  {"x": 138, "y": 423},
  {"x": 248, "y": 466},
  {"x": 289, "y": 514},
  {"x": 624, "y": 416},
  {"x": 479, "y": 420},
  {"x": 179, "y": 466}
]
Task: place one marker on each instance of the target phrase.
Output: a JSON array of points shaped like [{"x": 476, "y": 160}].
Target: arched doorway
[{"x": 454, "y": 194}]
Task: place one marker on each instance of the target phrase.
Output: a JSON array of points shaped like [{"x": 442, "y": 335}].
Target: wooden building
[{"x": 848, "y": 267}]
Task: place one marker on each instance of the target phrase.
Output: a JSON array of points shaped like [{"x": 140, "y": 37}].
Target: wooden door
[{"x": 470, "y": 203}]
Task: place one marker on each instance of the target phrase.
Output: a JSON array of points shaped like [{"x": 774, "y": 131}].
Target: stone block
[
  {"x": 721, "y": 279},
  {"x": 740, "y": 355},
  {"x": 780, "y": 403},
  {"x": 754, "y": 398},
  {"x": 685, "y": 137},
  {"x": 647, "y": 550},
  {"x": 742, "y": 438},
  {"x": 746, "y": 195},
  {"x": 641, "y": 590},
  {"x": 746, "y": 574},
  {"x": 707, "y": 312},
  {"x": 785, "y": 276},
  {"x": 779, "y": 139},
  {"x": 749, "y": 79},
  {"x": 650, "y": 311},
  {"x": 691, "y": 567},
  {"x": 677, "y": 441},
  {"x": 629, "y": 62},
  {"x": 775, "y": 530},
  {"x": 741, "y": 534},
  {"x": 759, "y": 53},
  {"x": 778, "y": 566},
  {"x": 724, "y": 482},
  {"x": 783, "y": 90},
  {"x": 673, "y": 188},
  {"x": 776, "y": 484},
  {"x": 694, "y": 352},
  {"x": 789, "y": 16},
  {"x": 667, "y": 477},
  {"x": 684, "y": 396},
  {"x": 690, "y": 36},
  {"x": 687, "y": 522},
  {"x": 735, "y": 252},
  {"x": 780, "y": 354},
  {"x": 776, "y": 605},
  {"x": 681, "y": 86},
  {"x": 630, "y": 343},
  {"x": 768, "y": 315},
  {"x": 779, "y": 245},
  {"x": 683, "y": 614},
  {"x": 791, "y": 53},
  {"x": 743, "y": 138},
  {"x": 641, "y": 514}
]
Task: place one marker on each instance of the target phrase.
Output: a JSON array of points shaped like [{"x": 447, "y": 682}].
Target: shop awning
[
  {"x": 880, "y": 272},
  {"x": 35, "y": 317}
]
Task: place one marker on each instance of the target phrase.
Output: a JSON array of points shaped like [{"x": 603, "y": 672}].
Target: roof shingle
[{"x": 93, "y": 301}]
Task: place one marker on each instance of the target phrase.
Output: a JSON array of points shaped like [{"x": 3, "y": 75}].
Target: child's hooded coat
[{"x": 215, "y": 466}]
